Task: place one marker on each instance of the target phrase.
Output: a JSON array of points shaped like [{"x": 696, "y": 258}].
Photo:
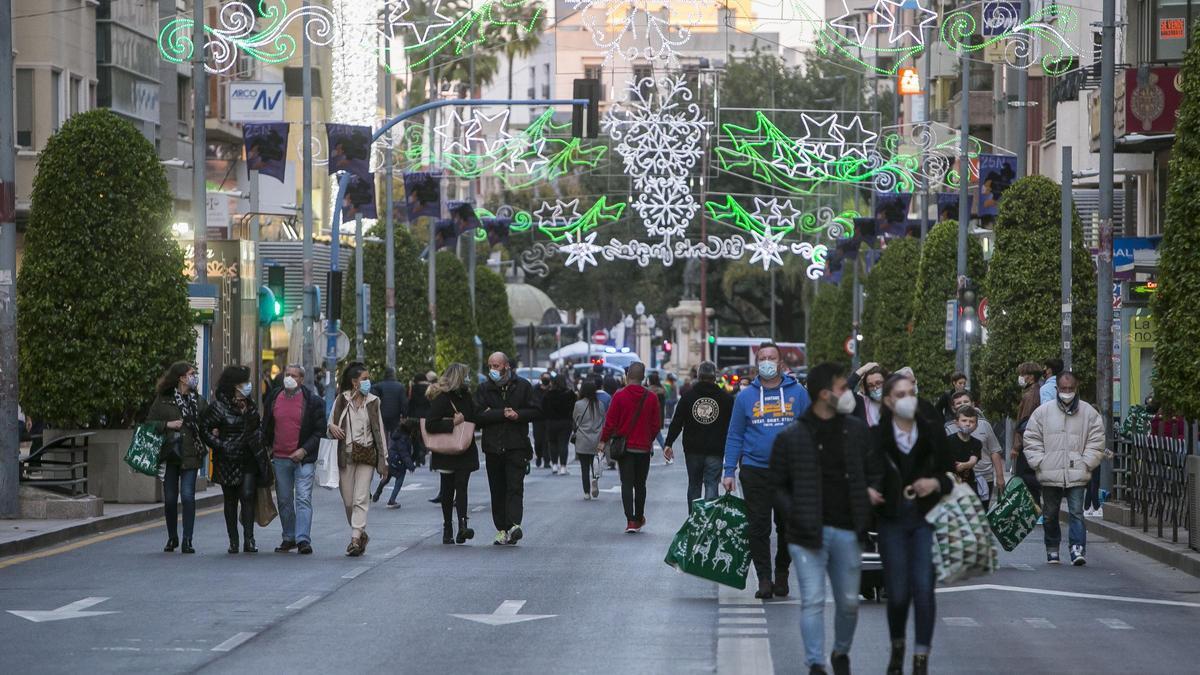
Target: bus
[{"x": 740, "y": 351}]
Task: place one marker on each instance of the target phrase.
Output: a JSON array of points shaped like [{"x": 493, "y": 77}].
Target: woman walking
[
  {"x": 916, "y": 463},
  {"x": 588, "y": 419},
  {"x": 451, "y": 404},
  {"x": 357, "y": 424},
  {"x": 176, "y": 414},
  {"x": 238, "y": 454},
  {"x": 660, "y": 392},
  {"x": 558, "y": 403}
]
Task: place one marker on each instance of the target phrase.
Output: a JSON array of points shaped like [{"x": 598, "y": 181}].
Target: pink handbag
[{"x": 454, "y": 443}]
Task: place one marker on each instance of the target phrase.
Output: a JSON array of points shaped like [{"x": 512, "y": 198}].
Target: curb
[
  {"x": 96, "y": 526},
  {"x": 1178, "y": 556}
]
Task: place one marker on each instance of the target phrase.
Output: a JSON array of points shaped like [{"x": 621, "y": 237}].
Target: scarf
[{"x": 187, "y": 408}]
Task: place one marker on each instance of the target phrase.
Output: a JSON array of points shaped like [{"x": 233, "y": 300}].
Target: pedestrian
[
  {"x": 635, "y": 415},
  {"x": 702, "y": 415},
  {"x": 588, "y": 420},
  {"x": 558, "y": 407},
  {"x": 672, "y": 386},
  {"x": 925, "y": 409},
  {"x": 1027, "y": 379},
  {"x": 1064, "y": 443},
  {"x": 239, "y": 457},
  {"x": 418, "y": 409},
  {"x": 610, "y": 384},
  {"x": 965, "y": 450},
  {"x": 916, "y": 462},
  {"x": 868, "y": 404},
  {"x": 655, "y": 385},
  {"x": 760, "y": 411},
  {"x": 1051, "y": 368},
  {"x": 825, "y": 486},
  {"x": 176, "y": 413},
  {"x": 451, "y": 405},
  {"x": 598, "y": 377},
  {"x": 989, "y": 470},
  {"x": 357, "y": 423},
  {"x": 394, "y": 408},
  {"x": 504, "y": 407},
  {"x": 293, "y": 425},
  {"x": 540, "y": 448},
  {"x": 958, "y": 382}
]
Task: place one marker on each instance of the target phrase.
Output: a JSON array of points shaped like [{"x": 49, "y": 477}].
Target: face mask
[
  {"x": 1066, "y": 397},
  {"x": 845, "y": 402},
  {"x": 193, "y": 382},
  {"x": 290, "y": 383},
  {"x": 1021, "y": 381},
  {"x": 965, "y": 430},
  {"x": 496, "y": 375},
  {"x": 875, "y": 394},
  {"x": 245, "y": 389},
  {"x": 364, "y": 387},
  {"x": 768, "y": 369},
  {"x": 906, "y": 408}
]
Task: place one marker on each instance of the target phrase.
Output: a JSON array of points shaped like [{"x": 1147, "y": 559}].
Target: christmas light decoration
[
  {"x": 238, "y": 34},
  {"x": 1047, "y": 27},
  {"x": 425, "y": 35},
  {"x": 887, "y": 19},
  {"x": 640, "y": 29}
]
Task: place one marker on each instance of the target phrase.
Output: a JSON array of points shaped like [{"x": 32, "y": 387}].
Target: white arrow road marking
[
  {"x": 71, "y": 611},
  {"x": 616, "y": 489},
  {"x": 1068, "y": 594},
  {"x": 414, "y": 486},
  {"x": 505, "y": 614}
]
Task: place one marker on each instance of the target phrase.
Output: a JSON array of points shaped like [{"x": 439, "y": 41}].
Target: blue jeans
[
  {"x": 703, "y": 471},
  {"x": 906, "y": 550},
  {"x": 293, "y": 490},
  {"x": 1051, "y": 504},
  {"x": 840, "y": 556},
  {"x": 179, "y": 483}
]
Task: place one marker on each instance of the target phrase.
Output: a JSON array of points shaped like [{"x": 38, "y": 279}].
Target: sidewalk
[
  {"x": 1111, "y": 527},
  {"x": 22, "y": 536}
]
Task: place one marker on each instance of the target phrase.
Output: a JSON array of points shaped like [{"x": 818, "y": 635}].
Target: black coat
[
  {"x": 238, "y": 444},
  {"x": 393, "y": 401},
  {"x": 796, "y": 472},
  {"x": 702, "y": 414},
  {"x": 558, "y": 404},
  {"x": 501, "y": 434},
  {"x": 930, "y": 458},
  {"x": 312, "y": 425},
  {"x": 441, "y": 421}
]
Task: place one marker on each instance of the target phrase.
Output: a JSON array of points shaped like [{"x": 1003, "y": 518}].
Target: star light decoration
[
  {"x": 425, "y": 29},
  {"x": 635, "y": 29},
  {"x": 887, "y": 18}
]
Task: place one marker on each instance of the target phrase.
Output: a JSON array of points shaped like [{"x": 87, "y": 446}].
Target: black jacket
[
  {"x": 929, "y": 458},
  {"x": 441, "y": 421},
  {"x": 237, "y": 445},
  {"x": 500, "y": 433},
  {"x": 312, "y": 425},
  {"x": 558, "y": 404},
  {"x": 393, "y": 403},
  {"x": 796, "y": 473},
  {"x": 702, "y": 414}
]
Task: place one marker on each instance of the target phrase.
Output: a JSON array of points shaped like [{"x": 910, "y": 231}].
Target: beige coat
[
  {"x": 1064, "y": 449},
  {"x": 378, "y": 434}
]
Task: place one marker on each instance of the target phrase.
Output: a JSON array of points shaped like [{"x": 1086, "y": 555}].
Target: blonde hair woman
[
  {"x": 358, "y": 425},
  {"x": 451, "y": 404}
]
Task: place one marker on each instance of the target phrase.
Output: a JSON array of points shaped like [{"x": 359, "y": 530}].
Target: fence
[{"x": 1149, "y": 475}]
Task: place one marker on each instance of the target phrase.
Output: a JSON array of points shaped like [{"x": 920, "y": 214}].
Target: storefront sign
[
  {"x": 1170, "y": 29},
  {"x": 256, "y": 102}
]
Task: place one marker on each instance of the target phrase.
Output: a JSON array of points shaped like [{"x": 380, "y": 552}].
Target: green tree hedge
[
  {"x": 1177, "y": 349},
  {"x": 1024, "y": 298},
  {"x": 455, "y": 325},
  {"x": 936, "y": 283},
  {"x": 888, "y": 304},
  {"x": 102, "y": 300},
  {"x": 414, "y": 345},
  {"x": 831, "y": 321},
  {"x": 492, "y": 317}
]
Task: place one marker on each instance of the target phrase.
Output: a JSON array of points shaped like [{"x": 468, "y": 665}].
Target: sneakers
[
  {"x": 501, "y": 539},
  {"x": 587, "y": 496},
  {"x": 670, "y": 462},
  {"x": 595, "y": 488},
  {"x": 840, "y": 663},
  {"x": 305, "y": 548},
  {"x": 393, "y": 505},
  {"x": 1041, "y": 520},
  {"x": 562, "y": 471},
  {"x": 285, "y": 546},
  {"x": 554, "y": 469},
  {"x": 764, "y": 590},
  {"x": 1077, "y": 558},
  {"x": 631, "y": 527},
  {"x": 641, "y": 522},
  {"x": 1052, "y": 558},
  {"x": 515, "y": 534}
]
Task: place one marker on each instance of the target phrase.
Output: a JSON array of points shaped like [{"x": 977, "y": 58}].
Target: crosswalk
[{"x": 1037, "y": 622}]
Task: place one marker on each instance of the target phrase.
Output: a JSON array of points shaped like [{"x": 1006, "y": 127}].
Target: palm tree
[{"x": 520, "y": 24}]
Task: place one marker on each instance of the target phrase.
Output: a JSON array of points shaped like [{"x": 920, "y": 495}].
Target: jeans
[
  {"x": 179, "y": 483},
  {"x": 397, "y": 479},
  {"x": 703, "y": 471},
  {"x": 539, "y": 442},
  {"x": 245, "y": 494},
  {"x": 1051, "y": 504},
  {"x": 558, "y": 441},
  {"x": 585, "y": 470},
  {"x": 634, "y": 468},
  {"x": 1092, "y": 501},
  {"x": 506, "y": 483},
  {"x": 906, "y": 550},
  {"x": 840, "y": 556},
  {"x": 760, "y": 504},
  {"x": 293, "y": 490}
]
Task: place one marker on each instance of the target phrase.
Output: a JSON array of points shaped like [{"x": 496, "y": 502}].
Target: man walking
[
  {"x": 760, "y": 411},
  {"x": 293, "y": 424},
  {"x": 702, "y": 414},
  {"x": 1052, "y": 367},
  {"x": 636, "y": 416},
  {"x": 393, "y": 406},
  {"x": 1064, "y": 443},
  {"x": 822, "y": 480},
  {"x": 504, "y": 407}
]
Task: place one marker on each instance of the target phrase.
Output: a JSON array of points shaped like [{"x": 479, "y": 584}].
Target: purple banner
[
  {"x": 349, "y": 149},
  {"x": 947, "y": 205},
  {"x": 423, "y": 195},
  {"x": 445, "y": 234},
  {"x": 266, "y": 148},
  {"x": 360, "y": 198},
  {"x": 996, "y": 173},
  {"x": 463, "y": 215},
  {"x": 497, "y": 230},
  {"x": 891, "y": 213}
]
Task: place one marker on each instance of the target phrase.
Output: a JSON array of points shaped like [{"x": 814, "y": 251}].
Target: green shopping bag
[
  {"x": 719, "y": 549},
  {"x": 681, "y": 544},
  {"x": 1014, "y": 514},
  {"x": 962, "y": 538},
  {"x": 142, "y": 455}
]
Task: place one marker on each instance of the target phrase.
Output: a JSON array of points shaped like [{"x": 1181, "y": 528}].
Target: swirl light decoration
[
  {"x": 1048, "y": 28},
  {"x": 238, "y": 34},
  {"x": 615, "y": 26}
]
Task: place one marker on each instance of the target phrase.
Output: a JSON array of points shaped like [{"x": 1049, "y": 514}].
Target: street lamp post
[{"x": 10, "y": 436}]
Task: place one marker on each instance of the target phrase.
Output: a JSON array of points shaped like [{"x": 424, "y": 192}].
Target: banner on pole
[
  {"x": 266, "y": 148},
  {"x": 996, "y": 174},
  {"x": 359, "y": 199},
  {"x": 423, "y": 195},
  {"x": 349, "y": 149}
]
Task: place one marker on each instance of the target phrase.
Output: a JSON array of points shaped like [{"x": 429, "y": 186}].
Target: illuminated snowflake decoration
[
  {"x": 767, "y": 247},
  {"x": 640, "y": 29},
  {"x": 581, "y": 250}
]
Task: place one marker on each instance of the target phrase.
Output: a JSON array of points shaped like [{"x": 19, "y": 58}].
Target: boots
[
  {"x": 187, "y": 546},
  {"x": 896, "y": 663},
  {"x": 464, "y": 532},
  {"x": 233, "y": 544},
  {"x": 764, "y": 589},
  {"x": 447, "y": 533},
  {"x": 172, "y": 543},
  {"x": 248, "y": 546},
  {"x": 920, "y": 664},
  {"x": 780, "y": 587}
]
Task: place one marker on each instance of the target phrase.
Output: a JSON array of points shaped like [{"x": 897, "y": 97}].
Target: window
[
  {"x": 76, "y": 94},
  {"x": 56, "y": 115},
  {"x": 595, "y": 73},
  {"x": 546, "y": 86},
  {"x": 24, "y": 107},
  {"x": 183, "y": 107},
  {"x": 1170, "y": 32}
]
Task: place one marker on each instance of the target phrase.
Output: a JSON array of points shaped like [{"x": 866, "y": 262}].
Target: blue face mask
[
  {"x": 496, "y": 375},
  {"x": 364, "y": 387},
  {"x": 245, "y": 389},
  {"x": 193, "y": 382},
  {"x": 768, "y": 369}
]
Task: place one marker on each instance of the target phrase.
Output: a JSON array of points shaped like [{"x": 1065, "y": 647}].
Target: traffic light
[
  {"x": 276, "y": 276},
  {"x": 333, "y": 282},
  {"x": 967, "y": 299},
  {"x": 712, "y": 339},
  {"x": 266, "y": 305},
  {"x": 585, "y": 122},
  {"x": 666, "y": 347}
]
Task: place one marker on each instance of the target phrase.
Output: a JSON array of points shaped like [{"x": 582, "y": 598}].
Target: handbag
[
  {"x": 962, "y": 538},
  {"x": 617, "y": 444},
  {"x": 172, "y": 450},
  {"x": 454, "y": 443},
  {"x": 264, "y": 507},
  {"x": 143, "y": 452},
  {"x": 359, "y": 454},
  {"x": 1014, "y": 514}
]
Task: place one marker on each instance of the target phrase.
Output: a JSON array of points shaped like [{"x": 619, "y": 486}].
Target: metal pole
[
  {"x": 772, "y": 304},
  {"x": 311, "y": 311},
  {"x": 1104, "y": 364},
  {"x": 964, "y": 201},
  {"x": 1065, "y": 262},
  {"x": 331, "y": 323},
  {"x": 471, "y": 198},
  {"x": 360, "y": 314},
  {"x": 925, "y": 184},
  {"x": 856, "y": 310},
  {"x": 10, "y": 436},
  {"x": 431, "y": 265},
  {"x": 389, "y": 239},
  {"x": 199, "y": 144},
  {"x": 255, "y": 233},
  {"x": 1022, "y": 113}
]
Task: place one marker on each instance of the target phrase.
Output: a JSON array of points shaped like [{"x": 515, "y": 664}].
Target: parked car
[{"x": 531, "y": 373}]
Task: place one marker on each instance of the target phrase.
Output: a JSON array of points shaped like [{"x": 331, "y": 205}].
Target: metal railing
[{"x": 1149, "y": 474}]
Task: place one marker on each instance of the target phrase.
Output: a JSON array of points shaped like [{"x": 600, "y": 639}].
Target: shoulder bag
[
  {"x": 617, "y": 444},
  {"x": 454, "y": 443}
]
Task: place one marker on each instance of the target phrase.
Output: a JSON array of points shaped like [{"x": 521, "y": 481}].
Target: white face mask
[
  {"x": 1021, "y": 381},
  {"x": 768, "y": 369},
  {"x": 290, "y": 383},
  {"x": 1066, "y": 397},
  {"x": 905, "y": 408},
  {"x": 245, "y": 389},
  {"x": 845, "y": 402}
]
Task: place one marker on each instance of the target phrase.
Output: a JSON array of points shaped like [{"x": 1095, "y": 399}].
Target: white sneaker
[
  {"x": 554, "y": 469},
  {"x": 587, "y": 496},
  {"x": 595, "y": 489},
  {"x": 563, "y": 472},
  {"x": 1087, "y": 513}
]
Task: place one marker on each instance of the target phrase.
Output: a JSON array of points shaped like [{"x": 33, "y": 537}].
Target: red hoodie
[{"x": 619, "y": 419}]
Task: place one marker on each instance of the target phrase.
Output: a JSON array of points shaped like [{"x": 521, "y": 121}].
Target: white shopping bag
[{"x": 327, "y": 464}]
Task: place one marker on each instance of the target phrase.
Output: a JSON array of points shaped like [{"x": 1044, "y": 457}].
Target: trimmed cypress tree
[
  {"x": 888, "y": 304},
  {"x": 102, "y": 300},
  {"x": 937, "y": 282},
  {"x": 1024, "y": 297},
  {"x": 492, "y": 317},
  {"x": 455, "y": 325},
  {"x": 833, "y": 314}
]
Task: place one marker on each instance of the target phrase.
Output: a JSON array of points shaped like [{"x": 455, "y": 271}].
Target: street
[{"x": 576, "y": 596}]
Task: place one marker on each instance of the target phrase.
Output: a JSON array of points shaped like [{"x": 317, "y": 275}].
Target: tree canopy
[
  {"x": 455, "y": 324},
  {"x": 494, "y": 320},
  {"x": 887, "y": 307}
]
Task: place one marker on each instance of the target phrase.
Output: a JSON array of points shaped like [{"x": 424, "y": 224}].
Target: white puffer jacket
[{"x": 1064, "y": 449}]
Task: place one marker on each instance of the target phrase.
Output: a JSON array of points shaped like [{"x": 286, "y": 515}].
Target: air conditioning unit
[{"x": 1193, "y": 500}]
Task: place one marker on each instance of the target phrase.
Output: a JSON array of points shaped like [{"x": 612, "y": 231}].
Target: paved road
[{"x": 610, "y": 604}]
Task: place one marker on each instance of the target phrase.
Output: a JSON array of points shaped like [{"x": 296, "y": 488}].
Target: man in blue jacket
[{"x": 760, "y": 412}]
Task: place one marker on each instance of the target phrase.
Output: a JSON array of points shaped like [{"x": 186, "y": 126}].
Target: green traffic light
[
  {"x": 278, "y": 308},
  {"x": 712, "y": 339}
]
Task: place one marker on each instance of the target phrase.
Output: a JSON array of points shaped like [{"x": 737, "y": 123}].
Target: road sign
[
  {"x": 343, "y": 344},
  {"x": 600, "y": 337},
  {"x": 951, "y": 325},
  {"x": 74, "y": 610},
  {"x": 505, "y": 614},
  {"x": 983, "y": 312},
  {"x": 850, "y": 346}
]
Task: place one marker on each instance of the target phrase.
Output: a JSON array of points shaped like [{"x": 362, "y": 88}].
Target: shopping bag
[
  {"x": 1014, "y": 514},
  {"x": 264, "y": 507},
  {"x": 327, "y": 464},
  {"x": 681, "y": 544},
  {"x": 962, "y": 538},
  {"x": 142, "y": 455},
  {"x": 719, "y": 549}
]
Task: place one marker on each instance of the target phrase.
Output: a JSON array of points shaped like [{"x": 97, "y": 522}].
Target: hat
[{"x": 707, "y": 370}]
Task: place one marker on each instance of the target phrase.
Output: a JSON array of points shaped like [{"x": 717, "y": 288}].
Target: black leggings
[
  {"x": 558, "y": 441},
  {"x": 454, "y": 494},
  {"x": 635, "y": 468},
  {"x": 245, "y": 494},
  {"x": 585, "y": 470}
]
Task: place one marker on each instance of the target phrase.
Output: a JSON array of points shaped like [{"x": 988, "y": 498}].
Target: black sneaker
[
  {"x": 1052, "y": 558},
  {"x": 304, "y": 548},
  {"x": 285, "y": 546},
  {"x": 515, "y": 534},
  {"x": 840, "y": 663}
]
